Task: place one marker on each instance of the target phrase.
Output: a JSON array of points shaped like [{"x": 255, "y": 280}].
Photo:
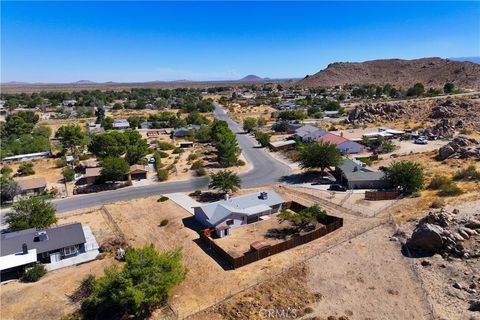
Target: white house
[
  {"x": 120, "y": 124},
  {"x": 234, "y": 212}
]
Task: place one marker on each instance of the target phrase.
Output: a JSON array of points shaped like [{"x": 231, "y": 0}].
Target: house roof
[
  {"x": 306, "y": 129},
  {"x": 32, "y": 183},
  {"x": 136, "y": 168},
  {"x": 282, "y": 143},
  {"x": 358, "y": 171},
  {"x": 58, "y": 237},
  {"x": 331, "y": 138},
  {"x": 248, "y": 204},
  {"x": 93, "y": 172}
]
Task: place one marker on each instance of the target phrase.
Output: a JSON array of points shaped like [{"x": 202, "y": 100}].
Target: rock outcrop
[{"x": 460, "y": 148}]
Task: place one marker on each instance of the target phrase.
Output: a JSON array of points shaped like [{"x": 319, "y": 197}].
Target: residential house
[
  {"x": 120, "y": 124},
  {"x": 357, "y": 175},
  {"x": 343, "y": 145},
  {"x": 282, "y": 144},
  {"x": 233, "y": 212},
  {"x": 21, "y": 249},
  {"x": 31, "y": 186},
  {"x": 91, "y": 175},
  {"x": 138, "y": 172},
  {"x": 308, "y": 132}
]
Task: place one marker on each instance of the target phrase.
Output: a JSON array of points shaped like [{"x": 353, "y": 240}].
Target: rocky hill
[
  {"x": 251, "y": 78},
  {"x": 432, "y": 72}
]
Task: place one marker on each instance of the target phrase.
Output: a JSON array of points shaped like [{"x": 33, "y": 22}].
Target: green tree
[
  {"x": 203, "y": 134},
  {"x": 42, "y": 131},
  {"x": 405, "y": 175},
  {"x": 249, "y": 124},
  {"x": 8, "y": 189},
  {"x": 113, "y": 143},
  {"x": 145, "y": 282},
  {"x": 107, "y": 123},
  {"x": 68, "y": 174},
  {"x": 114, "y": 169},
  {"x": 320, "y": 155},
  {"x": 31, "y": 213},
  {"x": 417, "y": 90},
  {"x": 448, "y": 87},
  {"x": 227, "y": 148},
  {"x": 26, "y": 169},
  {"x": 261, "y": 122},
  {"x": 6, "y": 171},
  {"x": 262, "y": 138},
  {"x": 117, "y": 106},
  {"x": 225, "y": 181},
  {"x": 72, "y": 138},
  {"x": 137, "y": 147}
]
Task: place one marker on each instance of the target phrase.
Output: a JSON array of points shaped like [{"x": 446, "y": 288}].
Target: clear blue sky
[{"x": 144, "y": 41}]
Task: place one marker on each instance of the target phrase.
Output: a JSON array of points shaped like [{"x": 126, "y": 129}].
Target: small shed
[
  {"x": 223, "y": 231},
  {"x": 186, "y": 144},
  {"x": 92, "y": 174},
  {"x": 259, "y": 245},
  {"x": 32, "y": 185},
  {"x": 138, "y": 172}
]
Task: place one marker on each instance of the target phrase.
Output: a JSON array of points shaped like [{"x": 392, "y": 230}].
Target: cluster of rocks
[
  {"x": 442, "y": 129},
  {"x": 460, "y": 148},
  {"x": 443, "y": 233},
  {"x": 440, "y": 112},
  {"x": 375, "y": 112}
]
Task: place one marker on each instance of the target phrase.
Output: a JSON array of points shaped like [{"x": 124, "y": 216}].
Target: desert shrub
[
  {"x": 202, "y": 172},
  {"x": 178, "y": 150},
  {"x": 438, "y": 181},
  {"x": 164, "y": 222},
  {"x": 35, "y": 273},
  {"x": 197, "y": 165},
  {"x": 192, "y": 156},
  {"x": 6, "y": 171},
  {"x": 68, "y": 174},
  {"x": 196, "y": 193},
  {"x": 26, "y": 169},
  {"x": 450, "y": 189},
  {"x": 163, "y": 154},
  {"x": 240, "y": 163},
  {"x": 437, "y": 204},
  {"x": 162, "y": 199},
  {"x": 163, "y": 145},
  {"x": 61, "y": 162},
  {"x": 162, "y": 174},
  {"x": 470, "y": 173},
  {"x": 83, "y": 156}
]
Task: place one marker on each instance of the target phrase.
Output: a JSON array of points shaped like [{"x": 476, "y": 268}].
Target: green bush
[
  {"x": 470, "y": 173},
  {"x": 178, "y": 150},
  {"x": 162, "y": 199},
  {"x": 83, "y": 156},
  {"x": 240, "y": 163},
  {"x": 438, "y": 181},
  {"x": 163, "y": 223},
  {"x": 196, "y": 193},
  {"x": 162, "y": 174},
  {"x": 35, "y": 273},
  {"x": 61, "y": 162},
  {"x": 202, "y": 172},
  {"x": 192, "y": 156},
  {"x": 68, "y": 174},
  {"x": 437, "y": 204},
  {"x": 26, "y": 169},
  {"x": 163, "y": 145},
  {"x": 197, "y": 165},
  {"x": 163, "y": 154},
  {"x": 448, "y": 190}
]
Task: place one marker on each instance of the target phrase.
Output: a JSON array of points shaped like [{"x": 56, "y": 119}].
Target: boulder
[
  {"x": 426, "y": 238},
  {"x": 473, "y": 224}
]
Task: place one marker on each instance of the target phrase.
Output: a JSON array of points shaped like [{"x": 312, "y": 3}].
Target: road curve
[{"x": 266, "y": 171}]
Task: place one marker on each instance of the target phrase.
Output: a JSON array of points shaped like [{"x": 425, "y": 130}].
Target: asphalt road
[{"x": 266, "y": 171}]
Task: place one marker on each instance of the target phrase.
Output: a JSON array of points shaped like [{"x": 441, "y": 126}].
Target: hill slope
[
  {"x": 432, "y": 72},
  {"x": 251, "y": 78}
]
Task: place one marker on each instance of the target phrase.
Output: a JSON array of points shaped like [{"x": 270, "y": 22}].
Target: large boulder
[
  {"x": 445, "y": 152},
  {"x": 426, "y": 238}
]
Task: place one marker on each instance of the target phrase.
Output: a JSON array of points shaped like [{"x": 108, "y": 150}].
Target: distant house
[
  {"x": 31, "y": 186},
  {"x": 185, "y": 132},
  {"x": 120, "y": 124},
  {"x": 91, "y": 175},
  {"x": 27, "y": 157},
  {"x": 343, "y": 145},
  {"x": 357, "y": 175},
  {"x": 308, "y": 132},
  {"x": 138, "y": 172},
  {"x": 145, "y": 125},
  {"x": 95, "y": 128},
  {"x": 282, "y": 144},
  {"x": 234, "y": 212},
  {"x": 51, "y": 247}
]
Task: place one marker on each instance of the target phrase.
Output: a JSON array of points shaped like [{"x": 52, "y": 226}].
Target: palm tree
[{"x": 225, "y": 181}]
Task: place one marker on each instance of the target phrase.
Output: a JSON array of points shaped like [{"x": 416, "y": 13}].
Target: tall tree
[
  {"x": 8, "y": 189},
  {"x": 72, "y": 138},
  {"x": 225, "y": 181},
  {"x": 31, "y": 213},
  {"x": 405, "y": 175},
  {"x": 137, "y": 147},
  {"x": 106, "y": 144},
  {"x": 249, "y": 124},
  {"x": 114, "y": 169},
  {"x": 320, "y": 155}
]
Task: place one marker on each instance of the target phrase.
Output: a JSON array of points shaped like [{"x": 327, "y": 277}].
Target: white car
[{"x": 421, "y": 141}]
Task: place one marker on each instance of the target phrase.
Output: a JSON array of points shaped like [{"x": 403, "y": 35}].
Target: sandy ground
[{"x": 49, "y": 297}]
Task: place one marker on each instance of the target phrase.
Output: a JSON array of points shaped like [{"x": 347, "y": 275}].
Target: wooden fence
[
  {"x": 331, "y": 223},
  {"x": 382, "y": 195}
]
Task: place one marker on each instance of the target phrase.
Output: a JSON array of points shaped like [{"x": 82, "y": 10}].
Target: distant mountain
[
  {"x": 84, "y": 82},
  {"x": 252, "y": 78},
  {"x": 432, "y": 72},
  {"x": 15, "y": 82},
  {"x": 469, "y": 59}
]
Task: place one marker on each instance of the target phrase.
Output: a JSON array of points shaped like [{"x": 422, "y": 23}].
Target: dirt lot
[{"x": 49, "y": 297}]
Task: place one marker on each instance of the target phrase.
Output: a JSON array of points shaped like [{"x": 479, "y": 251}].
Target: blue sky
[{"x": 145, "y": 41}]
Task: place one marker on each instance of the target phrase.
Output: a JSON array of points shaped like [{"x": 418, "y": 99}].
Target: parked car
[
  {"x": 324, "y": 180},
  {"x": 151, "y": 160},
  {"x": 421, "y": 141},
  {"x": 337, "y": 187}
]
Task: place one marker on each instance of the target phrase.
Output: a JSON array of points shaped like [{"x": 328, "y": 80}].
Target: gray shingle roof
[
  {"x": 247, "y": 204},
  {"x": 356, "y": 171},
  {"x": 58, "y": 237}
]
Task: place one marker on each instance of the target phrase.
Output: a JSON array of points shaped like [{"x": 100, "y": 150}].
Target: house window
[
  {"x": 70, "y": 250},
  {"x": 229, "y": 222}
]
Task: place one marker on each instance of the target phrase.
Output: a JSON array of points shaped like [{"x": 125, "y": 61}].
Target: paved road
[{"x": 266, "y": 170}]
